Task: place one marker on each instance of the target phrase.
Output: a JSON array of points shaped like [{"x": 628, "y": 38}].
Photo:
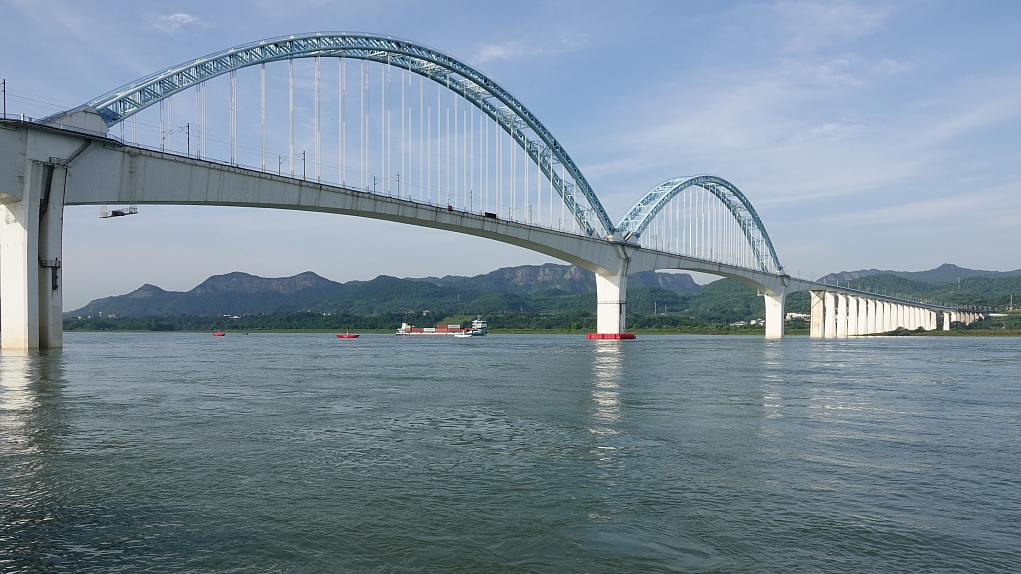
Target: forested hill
[
  {"x": 533, "y": 297},
  {"x": 543, "y": 287},
  {"x": 946, "y": 273}
]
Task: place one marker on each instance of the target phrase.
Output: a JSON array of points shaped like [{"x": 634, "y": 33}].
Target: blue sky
[{"x": 866, "y": 134}]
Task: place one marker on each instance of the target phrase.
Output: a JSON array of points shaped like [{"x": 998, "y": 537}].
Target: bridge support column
[
  {"x": 947, "y": 319},
  {"x": 816, "y": 310},
  {"x": 870, "y": 317},
  {"x": 841, "y": 316},
  {"x": 30, "y": 252},
  {"x": 852, "y": 316},
  {"x": 611, "y": 306},
  {"x": 829, "y": 325},
  {"x": 774, "y": 315},
  {"x": 863, "y": 317}
]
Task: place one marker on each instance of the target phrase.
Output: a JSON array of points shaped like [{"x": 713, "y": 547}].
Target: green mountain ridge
[
  {"x": 527, "y": 288},
  {"x": 510, "y": 295},
  {"x": 946, "y": 273}
]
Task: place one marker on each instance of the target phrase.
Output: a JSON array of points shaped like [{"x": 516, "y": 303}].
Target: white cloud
[
  {"x": 174, "y": 22},
  {"x": 515, "y": 49},
  {"x": 504, "y": 51},
  {"x": 811, "y": 26},
  {"x": 889, "y": 67}
]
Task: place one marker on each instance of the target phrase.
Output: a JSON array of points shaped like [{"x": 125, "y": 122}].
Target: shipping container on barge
[{"x": 478, "y": 328}]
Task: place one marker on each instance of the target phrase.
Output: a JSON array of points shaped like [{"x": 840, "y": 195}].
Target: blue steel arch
[
  {"x": 643, "y": 212},
  {"x": 119, "y": 104}
]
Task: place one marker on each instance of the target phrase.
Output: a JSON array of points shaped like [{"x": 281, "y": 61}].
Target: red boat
[
  {"x": 348, "y": 335},
  {"x": 218, "y": 334}
]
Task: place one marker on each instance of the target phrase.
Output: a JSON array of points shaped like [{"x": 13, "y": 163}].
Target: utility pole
[{"x": 5, "y": 96}]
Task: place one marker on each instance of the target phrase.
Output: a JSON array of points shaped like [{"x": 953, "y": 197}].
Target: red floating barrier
[{"x": 610, "y": 336}]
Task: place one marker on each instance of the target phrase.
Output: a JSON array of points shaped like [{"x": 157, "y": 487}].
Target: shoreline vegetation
[{"x": 1005, "y": 325}]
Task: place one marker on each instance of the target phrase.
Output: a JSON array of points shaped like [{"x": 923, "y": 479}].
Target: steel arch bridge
[
  {"x": 643, "y": 213},
  {"x": 485, "y": 94},
  {"x": 701, "y": 223}
]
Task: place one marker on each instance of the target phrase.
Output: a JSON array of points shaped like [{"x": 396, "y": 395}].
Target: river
[{"x": 164, "y": 452}]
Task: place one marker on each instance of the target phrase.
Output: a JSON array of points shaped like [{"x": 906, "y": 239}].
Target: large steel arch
[
  {"x": 475, "y": 87},
  {"x": 642, "y": 213}
]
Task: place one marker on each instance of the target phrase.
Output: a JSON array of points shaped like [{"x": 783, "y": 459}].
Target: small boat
[
  {"x": 347, "y": 335},
  {"x": 219, "y": 334}
]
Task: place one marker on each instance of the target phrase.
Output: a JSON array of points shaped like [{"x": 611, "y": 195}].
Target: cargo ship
[{"x": 478, "y": 328}]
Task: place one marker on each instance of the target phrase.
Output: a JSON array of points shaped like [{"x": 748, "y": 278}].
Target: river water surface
[{"x": 306, "y": 453}]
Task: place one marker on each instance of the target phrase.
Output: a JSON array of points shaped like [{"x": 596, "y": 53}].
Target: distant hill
[
  {"x": 230, "y": 294},
  {"x": 946, "y": 273},
  {"x": 543, "y": 290},
  {"x": 531, "y": 288},
  {"x": 527, "y": 279}
]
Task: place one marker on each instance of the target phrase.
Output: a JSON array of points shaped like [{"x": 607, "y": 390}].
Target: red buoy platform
[{"x": 610, "y": 336}]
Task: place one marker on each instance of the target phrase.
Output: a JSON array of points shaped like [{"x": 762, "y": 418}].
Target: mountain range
[
  {"x": 946, "y": 273},
  {"x": 537, "y": 289},
  {"x": 240, "y": 293}
]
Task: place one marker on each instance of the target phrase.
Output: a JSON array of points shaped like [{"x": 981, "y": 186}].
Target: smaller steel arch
[{"x": 642, "y": 213}]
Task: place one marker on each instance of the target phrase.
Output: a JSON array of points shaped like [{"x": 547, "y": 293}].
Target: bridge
[{"x": 419, "y": 138}]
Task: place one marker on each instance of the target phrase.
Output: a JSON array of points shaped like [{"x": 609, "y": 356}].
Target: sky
[{"x": 866, "y": 134}]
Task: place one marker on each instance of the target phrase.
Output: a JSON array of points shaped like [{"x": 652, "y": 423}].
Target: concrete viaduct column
[
  {"x": 829, "y": 325},
  {"x": 861, "y": 328},
  {"x": 774, "y": 315},
  {"x": 841, "y": 316},
  {"x": 31, "y": 299},
  {"x": 947, "y": 319},
  {"x": 852, "y": 316},
  {"x": 611, "y": 303},
  {"x": 815, "y": 299},
  {"x": 870, "y": 319}
]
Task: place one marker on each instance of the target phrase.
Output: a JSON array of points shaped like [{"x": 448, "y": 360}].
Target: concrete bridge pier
[
  {"x": 829, "y": 327},
  {"x": 816, "y": 313},
  {"x": 841, "y": 316},
  {"x": 774, "y": 314},
  {"x": 611, "y": 304},
  {"x": 31, "y": 300}
]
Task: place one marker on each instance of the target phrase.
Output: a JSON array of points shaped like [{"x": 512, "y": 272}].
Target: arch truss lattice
[
  {"x": 485, "y": 94},
  {"x": 753, "y": 245}
]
